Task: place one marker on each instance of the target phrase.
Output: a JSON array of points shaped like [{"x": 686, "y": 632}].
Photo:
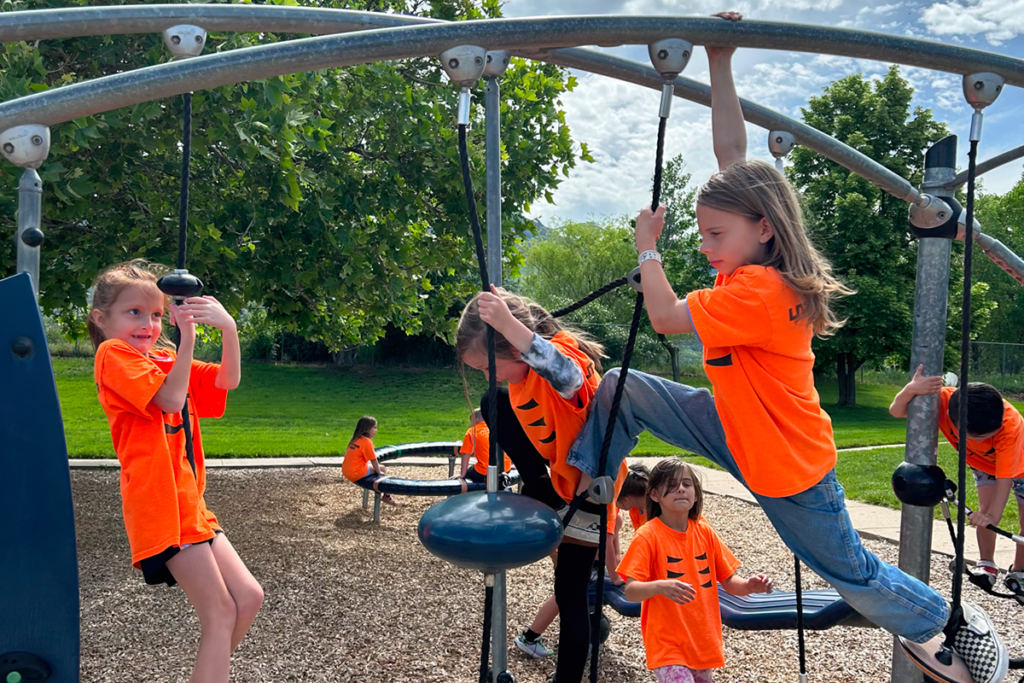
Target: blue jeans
[{"x": 814, "y": 524}]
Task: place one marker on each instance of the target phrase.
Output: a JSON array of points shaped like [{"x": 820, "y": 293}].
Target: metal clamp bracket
[
  {"x": 602, "y": 490},
  {"x": 26, "y": 146},
  {"x": 185, "y": 40}
]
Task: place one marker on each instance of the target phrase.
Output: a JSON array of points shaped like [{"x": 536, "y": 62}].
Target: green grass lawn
[{"x": 292, "y": 410}]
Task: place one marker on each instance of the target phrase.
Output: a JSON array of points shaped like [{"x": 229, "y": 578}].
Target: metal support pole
[
  {"x": 930, "y": 301},
  {"x": 451, "y": 466},
  {"x": 366, "y": 499},
  {"x": 30, "y": 214},
  {"x": 492, "y": 135},
  {"x": 376, "y": 506}
]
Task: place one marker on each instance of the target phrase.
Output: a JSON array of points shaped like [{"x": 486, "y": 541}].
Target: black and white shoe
[{"x": 979, "y": 645}]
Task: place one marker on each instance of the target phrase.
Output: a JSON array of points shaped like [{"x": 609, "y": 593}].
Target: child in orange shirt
[
  {"x": 154, "y": 397},
  {"x": 995, "y": 454},
  {"x": 360, "y": 459},
  {"x": 477, "y": 442},
  {"x": 633, "y": 495},
  {"x": 764, "y": 424},
  {"x": 552, "y": 374},
  {"x": 673, "y": 567}
]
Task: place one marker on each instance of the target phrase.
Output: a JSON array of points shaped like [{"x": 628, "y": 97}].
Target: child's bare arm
[
  {"x": 728, "y": 131},
  {"x": 673, "y": 589},
  {"x": 759, "y": 583},
  {"x": 170, "y": 397},
  {"x": 919, "y": 385}
]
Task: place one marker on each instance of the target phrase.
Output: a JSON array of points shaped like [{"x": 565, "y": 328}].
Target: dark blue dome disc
[{"x": 490, "y": 532}]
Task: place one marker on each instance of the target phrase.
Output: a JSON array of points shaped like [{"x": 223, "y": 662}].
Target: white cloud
[{"x": 998, "y": 20}]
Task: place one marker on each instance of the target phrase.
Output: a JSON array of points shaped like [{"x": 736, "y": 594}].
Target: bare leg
[
  {"x": 1018, "y": 558},
  {"x": 196, "y": 570},
  {"x": 986, "y": 538},
  {"x": 546, "y": 613},
  {"x": 243, "y": 587}
]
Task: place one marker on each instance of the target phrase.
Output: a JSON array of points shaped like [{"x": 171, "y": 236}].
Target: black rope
[
  {"x": 656, "y": 195},
  {"x": 800, "y": 616},
  {"x": 485, "y": 649},
  {"x": 492, "y": 382},
  {"x": 186, "y": 153},
  {"x": 965, "y": 340},
  {"x": 596, "y": 294}
]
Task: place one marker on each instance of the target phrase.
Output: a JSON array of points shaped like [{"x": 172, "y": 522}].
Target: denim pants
[{"x": 814, "y": 524}]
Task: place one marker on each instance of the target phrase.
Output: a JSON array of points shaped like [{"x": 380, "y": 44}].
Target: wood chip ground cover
[{"x": 348, "y": 600}]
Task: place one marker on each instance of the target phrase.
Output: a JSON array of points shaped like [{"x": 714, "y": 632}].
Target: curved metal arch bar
[
  {"x": 540, "y": 32},
  {"x": 988, "y": 165},
  {"x": 416, "y": 41}
]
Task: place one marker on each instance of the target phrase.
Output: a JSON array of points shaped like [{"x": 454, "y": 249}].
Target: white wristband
[{"x": 649, "y": 255}]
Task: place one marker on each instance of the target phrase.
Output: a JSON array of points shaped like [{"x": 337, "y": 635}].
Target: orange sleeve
[
  {"x": 726, "y": 563},
  {"x": 636, "y": 564},
  {"x": 209, "y": 400},
  {"x": 128, "y": 374},
  {"x": 731, "y": 315},
  {"x": 1009, "y": 445},
  {"x": 467, "y": 443}
]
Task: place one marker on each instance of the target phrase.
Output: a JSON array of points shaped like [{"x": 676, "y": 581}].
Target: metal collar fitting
[
  {"x": 26, "y": 146},
  {"x": 982, "y": 89},
  {"x": 670, "y": 56},
  {"x": 464, "y": 64},
  {"x": 497, "y": 62},
  {"x": 185, "y": 40}
]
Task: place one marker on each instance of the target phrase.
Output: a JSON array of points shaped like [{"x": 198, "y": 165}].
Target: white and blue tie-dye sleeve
[{"x": 564, "y": 375}]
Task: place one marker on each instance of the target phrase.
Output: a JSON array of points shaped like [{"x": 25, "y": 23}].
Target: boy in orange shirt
[
  {"x": 673, "y": 566},
  {"x": 477, "y": 443},
  {"x": 995, "y": 454}
]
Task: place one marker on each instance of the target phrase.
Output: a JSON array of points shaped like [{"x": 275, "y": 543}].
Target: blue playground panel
[
  {"x": 823, "y": 609},
  {"x": 39, "y": 604}
]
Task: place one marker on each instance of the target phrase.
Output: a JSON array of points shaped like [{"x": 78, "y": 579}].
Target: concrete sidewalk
[{"x": 870, "y": 520}]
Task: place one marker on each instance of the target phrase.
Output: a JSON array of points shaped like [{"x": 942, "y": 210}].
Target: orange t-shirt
[
  {"x": 759, "y": 360},
  {"x": 637, "y": 517},
  {"x": 359, "y": 453},
  {"x": 161, "y": 492},
  {"x": 478, "y": 442},
  {"x": 552, "y": 423},
  {"x": 1001, "y": 455},
  {"x": 684, "y": 635}
]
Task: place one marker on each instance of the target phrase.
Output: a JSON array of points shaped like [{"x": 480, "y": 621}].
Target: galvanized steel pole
[
  {"x": 930, "y": 302},
  {"x": 30, "y": 215}
]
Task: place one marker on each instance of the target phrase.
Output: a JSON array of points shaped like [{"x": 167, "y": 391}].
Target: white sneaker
[
  {"x": 1014, "y": 581},
  {"x": 535, "y": 649},
  {"x": 584, "y": 526}
]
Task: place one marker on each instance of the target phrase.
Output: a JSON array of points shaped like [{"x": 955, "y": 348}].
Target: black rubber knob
[
  {"x": 180, "y": 284},
  {"x": 22, "y": 347},
  {"x": 32, "y": 237},
  {"x": 922, "y": 485}
]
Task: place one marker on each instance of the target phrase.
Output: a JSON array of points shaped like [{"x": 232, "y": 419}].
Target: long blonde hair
[
  {"x": 756, "y": 190},
  {"x": 109, "y": 285},
  {"x": 472, "y": 331}
]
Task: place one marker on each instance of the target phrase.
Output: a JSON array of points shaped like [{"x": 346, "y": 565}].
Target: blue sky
[{"x": 619, "y": 121}]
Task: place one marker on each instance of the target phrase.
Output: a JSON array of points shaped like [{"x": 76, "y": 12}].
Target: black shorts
[
  {"x": 154, "y": 569},
  {"x": 475, "y": 477}
]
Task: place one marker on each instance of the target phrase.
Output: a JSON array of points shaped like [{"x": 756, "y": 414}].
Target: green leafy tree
[
  {"x": 862, "y": 230},
  {"x": 1002, "y": 217},
  {"x": 332, "y": 198}
]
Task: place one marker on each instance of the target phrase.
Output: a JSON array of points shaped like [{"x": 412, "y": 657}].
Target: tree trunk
[
  {"x": 673, "y": 354},
  {"x": 846, "y": 372}
]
